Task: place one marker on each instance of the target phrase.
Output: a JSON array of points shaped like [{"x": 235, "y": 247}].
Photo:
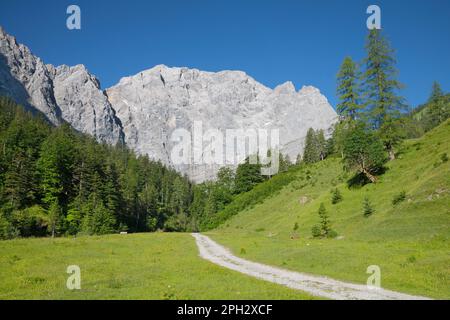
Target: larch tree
[{"x": 381, "y": 87}]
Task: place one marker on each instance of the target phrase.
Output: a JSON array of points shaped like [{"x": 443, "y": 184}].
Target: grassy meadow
[{"x": 134, "y": 266}]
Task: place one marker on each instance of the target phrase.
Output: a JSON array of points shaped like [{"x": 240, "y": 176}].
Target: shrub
[
  {"x": 399, "y": 198},
  {"x": 295, "y": 226},
  {"x": 336, "y": 196},
  {"x": 316, "y": 232},
  {"x": 332, "y": 234},
  {"x": 444, "y": 157},
  {"x": 367, "y": 207}
]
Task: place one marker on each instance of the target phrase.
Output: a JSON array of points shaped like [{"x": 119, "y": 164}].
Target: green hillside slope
[{"x": 409, "y": 241}]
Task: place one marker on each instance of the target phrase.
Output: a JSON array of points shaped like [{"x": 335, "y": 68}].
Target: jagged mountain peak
[{"x": 62, "y": 94}]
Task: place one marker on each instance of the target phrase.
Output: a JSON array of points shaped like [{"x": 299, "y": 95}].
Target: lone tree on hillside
[
  {"x": 323, "y": 229},
  {"x": 348, "y": 90},
  {"x": 439, "y": 108},
  {"x": 363, "y": 151},
  {"x": 336, "y": 196},
  {"x": 367, "y": 207},
  {"x": 385, "y": 106}
]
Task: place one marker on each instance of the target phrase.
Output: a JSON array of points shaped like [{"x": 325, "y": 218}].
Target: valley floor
[{"x": 134, "y": 266}]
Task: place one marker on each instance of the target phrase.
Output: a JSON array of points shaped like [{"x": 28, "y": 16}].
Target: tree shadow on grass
[{"x": 360, "y": 180}]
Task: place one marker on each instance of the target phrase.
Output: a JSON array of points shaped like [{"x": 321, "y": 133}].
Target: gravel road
[{"x": 315, "y": 285}]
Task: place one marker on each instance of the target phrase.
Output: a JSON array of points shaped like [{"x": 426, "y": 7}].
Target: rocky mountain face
[
  {"x": 62, "y": 94},
  {"x": 155, "y": 102},
  {"x": 144, "y": 110}
]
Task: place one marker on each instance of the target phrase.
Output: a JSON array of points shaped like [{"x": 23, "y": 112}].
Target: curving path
[{"x": 314, "y": 285}]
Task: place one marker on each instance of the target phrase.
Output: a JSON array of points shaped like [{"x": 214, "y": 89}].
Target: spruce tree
[
  {"x": 348, "y": 90},
  {"x": 321, "y": 144},
  {"x": 311, "y": 153},
  {"x": 381, "y": 87},
  {"x": 336, "y": 196},
  {"x": 367, "y": 207},
  {"x": 438, "y": 107}
]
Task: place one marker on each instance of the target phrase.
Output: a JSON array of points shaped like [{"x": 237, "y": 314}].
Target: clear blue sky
[{"x": 273, "y": 41}]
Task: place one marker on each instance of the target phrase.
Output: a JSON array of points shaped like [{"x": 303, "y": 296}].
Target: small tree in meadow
[
  {"x": 324, "y": 227},
  {"x": 336, "y": 196},
  {"x": 367, "y": 207}
]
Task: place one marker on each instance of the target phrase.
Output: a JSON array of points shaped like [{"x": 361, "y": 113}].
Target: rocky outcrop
[
  {"x": 25, "y": 78},
  {"x": 83, "y": 104},
  {"x": 69, "y": 94}
]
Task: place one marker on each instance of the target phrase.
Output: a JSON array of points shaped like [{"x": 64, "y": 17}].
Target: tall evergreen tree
[
  {"x": 438, "y": 107},
  {"x": 321, "y": 144},
  {"x": 348, "y": 90},
  {"x": 311, "y": 153},
  {"x": 381, "y": 87}
]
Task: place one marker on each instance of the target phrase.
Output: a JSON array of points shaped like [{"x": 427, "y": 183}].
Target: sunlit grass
[{"x": 139, "y": 266}]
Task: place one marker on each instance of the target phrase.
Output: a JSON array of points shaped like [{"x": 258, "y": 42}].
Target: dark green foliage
[
  {"x": 444, "y": 157},
  {"x": 385, "y": 106},
  {"x": 324, "y": 220},
  {"x": 247, "y": 176},
  {"x": 295, "y": 226},
  {"x": 348, "y": 90},
  {"x": 56, "y": 181},
  {"x": 429, "y": 115},
  {"x": 311, "y": 153},
  {"x": 315, "y": 146},
  {"x": 438, "y": 107},
  {"x": 399, "y": 198},
  {"x": 316, "y": 231},
  {"x": 367, "y": 207},
  {"x": 336, "y": 196},
  {"x": 363, "y": 152},
  {"x": 323, "y": 229}
]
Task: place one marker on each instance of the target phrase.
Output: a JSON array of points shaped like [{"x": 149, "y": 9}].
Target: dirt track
[{"x": 314, "y": 285}]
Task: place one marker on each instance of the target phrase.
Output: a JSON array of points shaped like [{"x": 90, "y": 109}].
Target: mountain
[
  {"x": 155, "y": 102},
  {"x": 62, "y": 94},
  {"x": 144, "y": 110}
]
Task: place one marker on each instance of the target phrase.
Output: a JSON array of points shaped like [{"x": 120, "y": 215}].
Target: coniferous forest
[{"x": 56, "y": 181}]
